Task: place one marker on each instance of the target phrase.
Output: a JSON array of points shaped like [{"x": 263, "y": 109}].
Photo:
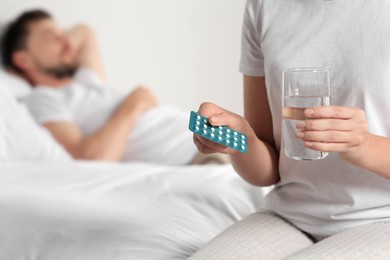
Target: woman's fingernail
[
  {"x": 301, "y": 124},
  {"x": 300, "y": 135},
  {"x": 309, "y": 112}
]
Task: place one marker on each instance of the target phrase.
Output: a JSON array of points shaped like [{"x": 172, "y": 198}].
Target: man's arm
[
  {"x": 109, "y": 142},
  {"x": 83, "y": 40}
]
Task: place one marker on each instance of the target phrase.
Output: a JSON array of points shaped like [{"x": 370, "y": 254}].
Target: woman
[{"x": 343, "y": 201}]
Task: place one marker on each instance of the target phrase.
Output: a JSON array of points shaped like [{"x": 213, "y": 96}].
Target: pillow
[
  {"x": 21, "y": 139},
  {"x": 3, "y": 25},
  {"x": 16, "y": 85}
]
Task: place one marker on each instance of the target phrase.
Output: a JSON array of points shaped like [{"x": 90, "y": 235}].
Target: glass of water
[{"x": 302, "y": 88}]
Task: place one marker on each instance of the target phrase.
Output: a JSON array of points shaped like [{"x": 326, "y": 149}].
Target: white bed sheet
[{"x": 81, "y": 210}]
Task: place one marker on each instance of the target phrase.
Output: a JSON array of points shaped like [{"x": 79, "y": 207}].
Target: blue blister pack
[{"x": 220, "y": 134}]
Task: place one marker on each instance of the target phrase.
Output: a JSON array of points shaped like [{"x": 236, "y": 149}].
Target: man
[{"x": 66, "y": 73}]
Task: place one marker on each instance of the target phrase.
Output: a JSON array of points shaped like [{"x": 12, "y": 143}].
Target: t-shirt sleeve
[
  {"x": 47, "y": 106},
  {"x": 88, "y": 77},
  {"x": 252, "y": 60}
]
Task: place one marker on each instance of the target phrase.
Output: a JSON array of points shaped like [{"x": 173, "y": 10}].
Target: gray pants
[{"x": 264, "y": 235}]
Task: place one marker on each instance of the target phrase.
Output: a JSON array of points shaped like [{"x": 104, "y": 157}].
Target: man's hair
[{"x": 15, "y": 35}]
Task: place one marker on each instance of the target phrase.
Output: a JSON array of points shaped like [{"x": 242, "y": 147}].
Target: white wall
[{"x": 186, "y": 51}]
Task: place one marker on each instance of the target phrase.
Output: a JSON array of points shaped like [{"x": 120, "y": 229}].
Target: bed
[
  {"x": 84, "y": 210},
  {"x": 54, "y": 207}
]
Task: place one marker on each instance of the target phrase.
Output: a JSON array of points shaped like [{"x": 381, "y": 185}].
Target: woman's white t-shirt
[{"x": 352, "y": 38}]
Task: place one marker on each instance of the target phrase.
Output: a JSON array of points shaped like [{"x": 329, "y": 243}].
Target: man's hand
[
  {"x": 141, "y": 100},
  {"x": 82, "y": 40},
  {"x": 335, "y": 129}
]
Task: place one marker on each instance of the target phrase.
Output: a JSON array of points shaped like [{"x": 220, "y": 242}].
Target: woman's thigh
[
  {"x": 261, "y": 235},
  {"x": 361, "y": 243}
]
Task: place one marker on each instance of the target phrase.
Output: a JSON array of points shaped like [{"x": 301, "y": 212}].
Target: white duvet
[{"x": 80, "y": 210}]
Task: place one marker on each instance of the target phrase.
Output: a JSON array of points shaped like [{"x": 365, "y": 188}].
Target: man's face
[{"x": 49, "y": 50}]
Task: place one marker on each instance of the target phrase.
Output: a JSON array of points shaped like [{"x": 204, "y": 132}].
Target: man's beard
[{"x": 61, "y": 72}]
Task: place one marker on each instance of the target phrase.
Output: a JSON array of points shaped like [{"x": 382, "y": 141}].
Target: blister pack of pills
[{"x": 219, "y": 134}]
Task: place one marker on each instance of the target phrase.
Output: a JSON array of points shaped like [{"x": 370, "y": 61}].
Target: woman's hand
[
  {"x": 335, "y": 129},
  {"x": 217, "y": 117}
]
